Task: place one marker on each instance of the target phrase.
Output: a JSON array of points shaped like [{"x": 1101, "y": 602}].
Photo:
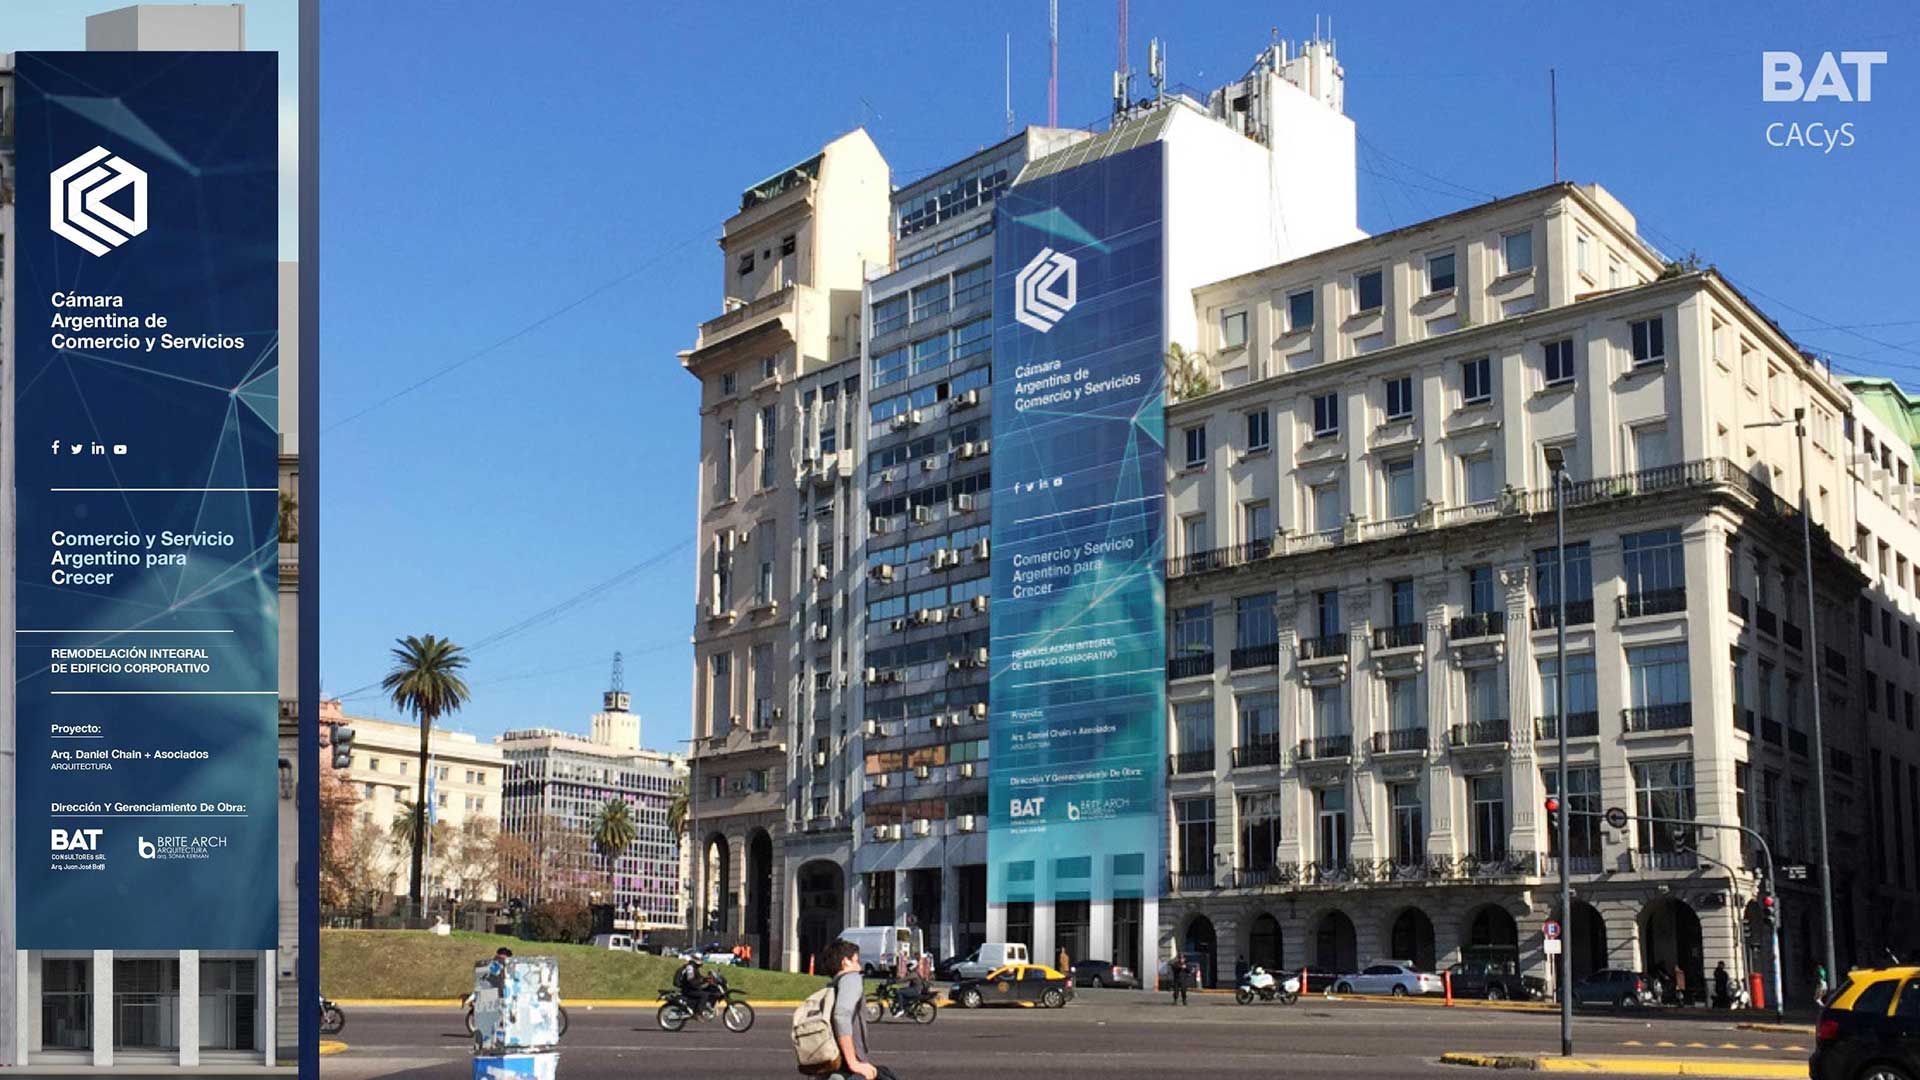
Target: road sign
[
  {"x": 1616, "y": 817},
  {"x": 1553, "y": 930},
  {"x": 1553, "y": 946},
  {"x": 1794, "y": 871}
]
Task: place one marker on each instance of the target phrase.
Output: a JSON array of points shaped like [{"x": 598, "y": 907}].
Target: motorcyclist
[{"x": 698, "y": 985}]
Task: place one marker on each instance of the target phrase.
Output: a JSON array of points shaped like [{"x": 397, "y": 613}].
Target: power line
[{"x": 523, "y": 331}]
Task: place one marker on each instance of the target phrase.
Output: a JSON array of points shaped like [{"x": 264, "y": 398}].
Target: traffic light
[
  {"x": 1769, "y": 908},
  {"x": 341, "y": 736},
  {"x": 1553, "y": 816}
]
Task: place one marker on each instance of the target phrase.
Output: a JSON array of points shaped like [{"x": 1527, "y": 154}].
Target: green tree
[
  {"x": 426, "y": 682},
  {"x": 677, "y": 809},
  {"x": 1187, "y": 374},
  {"x": 613, "y": 833}
]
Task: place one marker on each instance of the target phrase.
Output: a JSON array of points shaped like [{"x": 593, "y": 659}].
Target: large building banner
[
  {"x": 1078, "y": 692},
  {"x": 147, "y": 507}
]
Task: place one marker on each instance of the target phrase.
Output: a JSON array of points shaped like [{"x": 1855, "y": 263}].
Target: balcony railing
[
  {"x": 1326, "y": 746},
  {"x": 1478, "y": 733},
  {"x": 1477, "y": 624},
  {"x": 1653, "y": 602},
  {"x": 1792, "y": 636},
  {"x": 1190, "y": 761},
  {"x": 1665, "y": 860},
  {"x": 1255, "y": 754},
  {"x": 1323, "y": 647},
  {"x": 1403, "y": 636},
  {"x": 1580, "y": 725},
  {"x": 1197, "y": 881},
  {"x": 1766, "y": 620},
  {"x": 1199, "y": 562},
  {"x": 1259, "y": 877},
  {"x": 1251, "y": 656},
  {"x": 1578, "y": 864},
  {"x": 1190, "y": 666},
  {"x": 1670, "y": 717},
  {"x": 1400, "y": 740},
  {"x": 1797, "y": 742},
  {"x": 1579, "y": 613}
]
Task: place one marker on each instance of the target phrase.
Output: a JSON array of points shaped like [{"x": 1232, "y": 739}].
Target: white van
[
  {"x": 616, "y": 942},
  {"x": 879, "y": 945},
  {"x": 993, "y": 954}
]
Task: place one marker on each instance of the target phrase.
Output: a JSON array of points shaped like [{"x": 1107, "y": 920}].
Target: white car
[{"x": 1390, "y": 977}]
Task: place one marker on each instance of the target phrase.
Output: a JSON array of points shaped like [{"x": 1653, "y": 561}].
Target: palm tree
[
  {"x": 426, "y": 682},
  {"x": 677, "y": 810},
  {"x": 613, "y": 833}
]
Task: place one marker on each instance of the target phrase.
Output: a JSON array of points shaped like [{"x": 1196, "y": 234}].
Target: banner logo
[
  {"x": 78, "y": 195},
  {"x": 1045, "y": 289}
]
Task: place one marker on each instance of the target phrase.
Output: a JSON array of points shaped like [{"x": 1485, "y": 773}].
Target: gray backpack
[{"x": 814, "y": 1046}]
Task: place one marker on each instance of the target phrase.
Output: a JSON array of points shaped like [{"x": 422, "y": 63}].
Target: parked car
[
  {"x": 1014, "y": 984},
  {"x": 1395, "y": 977},
  {"x": 616, "y": 942},
  {"x": 1495, "y": 982},
  {"x": 1613, "y": 986},
  {"x": 1870, "y": 1030},
  {"x": 1103, "y": 973},
  {"x": 994, "y": 954}
]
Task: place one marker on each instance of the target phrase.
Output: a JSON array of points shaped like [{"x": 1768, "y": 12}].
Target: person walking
[
  {"x": 1065, "y": 965},
  {"x": 1820, "y": 983},
  {"x": 1680, "y": 985},
  {"x": 849, "y": 1019},
  {"x": 1177, "y": 974},
  {"x": 1722, "y": 986}
]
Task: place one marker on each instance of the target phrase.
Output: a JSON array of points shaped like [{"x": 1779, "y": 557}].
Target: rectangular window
[
  {"x": 1650, "y": 447},
  {"x": 972, "y": 339},
  {"x": 1300, "y": 310},
  {"x": 1193, "y": 727},
  {"x": 1256, "y": 523},
  {"x": 1233, "y": 330},
  {"x": 1259, "y": 430},
  {"x": 930, "y": 300},
  {"x": 890, "y": 366},
  {"x": 1368, "y": 291},
  {"x": 1546, "y": 577},
  {"x": 1516, "y": 251},
  {"x": 723, "y": 469},
  {"x": 1330, "y": 711},
  {"x": 1649, "y": 341},
  {"x": 1583, "y": 254},
  {"x": 1488, "y": 795},
  {"x": 1557, "y": 361},
  {"x": 1486, "y": 696},
  {"x": 1657, "y": 675},
  {"x": 1476, "y": 380},
  {"x": 1482, "y": 595},
  {"x": 1583, "y": 689},
  {"x": 729, "y": 382},
  {"x": 1331, "y": 810},
  {"x": 1402, "y": 603},
  {"x": 1397, "y": 479},
  {"x": 889, "y": 314},
  {"x": 1259, "y": 830},
  {"x": 972, "y": 283},
  {"x": 1259, "y": 720},
  {"x": 1326, "y": 613},
  {"x": 1400, "y": 398},
  {"x": 765, "y": 436},
  {"x": 1196, "y": 446},
  {"x": 1326, "y": 415},
  {"x": 1193, "y": 824},
  {"x": 1193, "y": 630},
  {"x": 1582, "y": 807},
  {"x": 1439, "y": 272},
  {"x": 1326, "y": 506},
  {"x": 1664, "y": 789},
  {"x": 1409, "y": 822},
  {"x": 1653, "y": 561},
  {"x": 1193, "y": 535},
  {"x": 929, "y": 354},
  {"x": 1253, "y": 620},
  {"x": 719, "y": 693},
  {"x": 1403, "y": 706}
]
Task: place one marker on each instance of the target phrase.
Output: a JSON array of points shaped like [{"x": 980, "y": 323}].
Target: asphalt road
[{"x": 1108, "y": 1034}]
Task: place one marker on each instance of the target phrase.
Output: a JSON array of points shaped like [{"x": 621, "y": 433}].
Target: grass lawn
[{"x": 420, "y": 964}]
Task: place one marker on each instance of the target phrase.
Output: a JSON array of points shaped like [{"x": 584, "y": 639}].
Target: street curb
[
  {"x": 331, "y": 1046},
  {"x": 1790, "y": 1029},
  {"x": 1729, "y": 1069}
]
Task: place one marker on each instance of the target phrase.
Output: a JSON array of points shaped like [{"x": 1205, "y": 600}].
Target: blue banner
[
  {"x": 146, "y": 448},
  {"x": 1078, "y": 693}
]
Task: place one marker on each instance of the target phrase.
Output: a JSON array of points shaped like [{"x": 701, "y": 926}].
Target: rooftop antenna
[
  {"x": 1157, "y": 68},
  {"x": 619, "y": 673},
  {"x": 1553, "y": 108},
  {"x": 1008, "y": 69},
  {"x": 1053, "y": 75},
  {"x": 1122, "y": 91},
  {"x": 616, "y": 698}
]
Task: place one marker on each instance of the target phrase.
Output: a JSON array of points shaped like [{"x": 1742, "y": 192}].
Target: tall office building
[{"x": 793, "y": 260}]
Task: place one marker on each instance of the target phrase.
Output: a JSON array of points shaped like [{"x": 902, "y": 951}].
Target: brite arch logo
[
  {"x": 1045, "y": 289},
  {"x": 78, "y": 193}
]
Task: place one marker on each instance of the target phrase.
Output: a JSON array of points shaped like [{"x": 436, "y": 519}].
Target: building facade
[
  {"x": 1364, "y": 607},
  {"x": 794, "y": 258},
  {"x": 557, "y": 784}
]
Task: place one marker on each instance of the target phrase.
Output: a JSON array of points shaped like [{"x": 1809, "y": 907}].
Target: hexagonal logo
[
  {"x": 78, "y": 193},
  {"x": 1045, "y": 289}
]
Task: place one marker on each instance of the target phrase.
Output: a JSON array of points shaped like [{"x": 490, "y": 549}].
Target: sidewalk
[{"x": 1732, "y": 1069}]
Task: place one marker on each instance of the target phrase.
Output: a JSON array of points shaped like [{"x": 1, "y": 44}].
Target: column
[
  {"x": 190, "y": 1005},
  {"x": 1043, "y": 943},
  {"x": 1439, "y": 670},
  {"x": 1364, "y": 814},
  {"x": 949, "y": 930},
  {"x": 26, "y": 968},
  {"x": 103, "y": 1008},
  {"x": 902, "y": 896},
  {"x": 269, "y": 1009},
  {"x": 1525, "y": 792}
]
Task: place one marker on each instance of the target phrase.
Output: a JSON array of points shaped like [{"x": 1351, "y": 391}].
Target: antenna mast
[
  {"x": 619, "y": 674},
  {"x": 1122, "y": 91},
  {"x": 1008, "y": 69},
  {"x": 1553, "y": 108},
  {"x": 1053, "y": 75}
]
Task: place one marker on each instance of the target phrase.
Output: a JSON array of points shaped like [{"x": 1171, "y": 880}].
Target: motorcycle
[
  {"x": 675, "y": 1010},
  {"x": 467, "y": 1004},
  {"x": 332, "y": 1020},
  {"x": 906, "y": 999},
  {"x": 1260, "y": 983}
]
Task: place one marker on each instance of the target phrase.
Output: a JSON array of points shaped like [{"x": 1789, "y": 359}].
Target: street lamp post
[
  {"x": 1557, "y": 465},
  {"x": 1799, "y": 422},
  {"x": 695, "y": 857}
]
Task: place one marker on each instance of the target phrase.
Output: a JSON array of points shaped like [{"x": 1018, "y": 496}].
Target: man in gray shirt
[{"x": 849, "y": 1019}]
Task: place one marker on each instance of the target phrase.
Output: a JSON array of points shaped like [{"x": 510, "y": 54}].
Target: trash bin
[{"x": 516, "y": 1018}]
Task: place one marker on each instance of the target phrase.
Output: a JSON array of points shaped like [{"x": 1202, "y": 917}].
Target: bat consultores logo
[
  {"x": 1045, "y": 289},
  {"x": 77, "y": 201},
  {"x": 181, "y": 847}
]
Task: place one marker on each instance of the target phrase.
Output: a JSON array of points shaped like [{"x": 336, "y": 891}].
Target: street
[{"x": 1108, "y": 1034}]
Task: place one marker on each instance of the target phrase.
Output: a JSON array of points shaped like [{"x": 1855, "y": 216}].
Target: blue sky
[{"x": 569, "y": 166}]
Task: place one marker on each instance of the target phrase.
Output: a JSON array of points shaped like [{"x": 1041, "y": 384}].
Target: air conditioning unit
[
  {"x": 822, "y": 633},
  {"x": 884, "y": 780},
  {"x": 922, "y": 514},
  {"x": 882, "y": 832},
  {"x": 978, "y": 710},
  {"x": 980, "y": 657},
  {"x": 921, "y": 772},
  {"x": 922, "y": 827},
  {"x": 879, "y": 525},
  {"x": 779, "y": 713},
  {"x": 959, "y": 611},
  {"x": 736, "y": 787},
  {"x": 967, "y": 400},
  {"x": 819, "y": 759},
  {"x": 897, "y": 625},
  {"x": 963, "y": 502},
  {"x": 982, "y": 551},
  {"x": 893, "y": 832},
  {"x": 965, "y": 451},
  {"x": 986, "y": 447},
  {"x": 954, "y": 663},
  {"x": 920, "y": 617},
  {"x": 937, "y": 720},
  {"x": 966, "y": 770},
  {"x": 822, "y": 573},
  {"x": 913, "y": 417},
  {"x": 888, "y": 476},
  {"x": 929, "y": 463},
  {"x": 968, "y": 823},
  {"x": 884, "y": 571},
  {"x": 937, "y": 560},
  {"x": 873, "y": 676},
  {"x": 901, "y": 422},
  {"x": 979, "y": 603},
  {"x": 937, "y": 615}
]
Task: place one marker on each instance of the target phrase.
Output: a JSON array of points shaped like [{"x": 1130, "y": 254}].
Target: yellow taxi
[
  {"x": 1870, "y": 1029},
  {"x": 1014, "y": 984}
]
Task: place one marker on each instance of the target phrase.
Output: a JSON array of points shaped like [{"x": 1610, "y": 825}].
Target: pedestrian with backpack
[{"x": 830, "y": 1027}]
